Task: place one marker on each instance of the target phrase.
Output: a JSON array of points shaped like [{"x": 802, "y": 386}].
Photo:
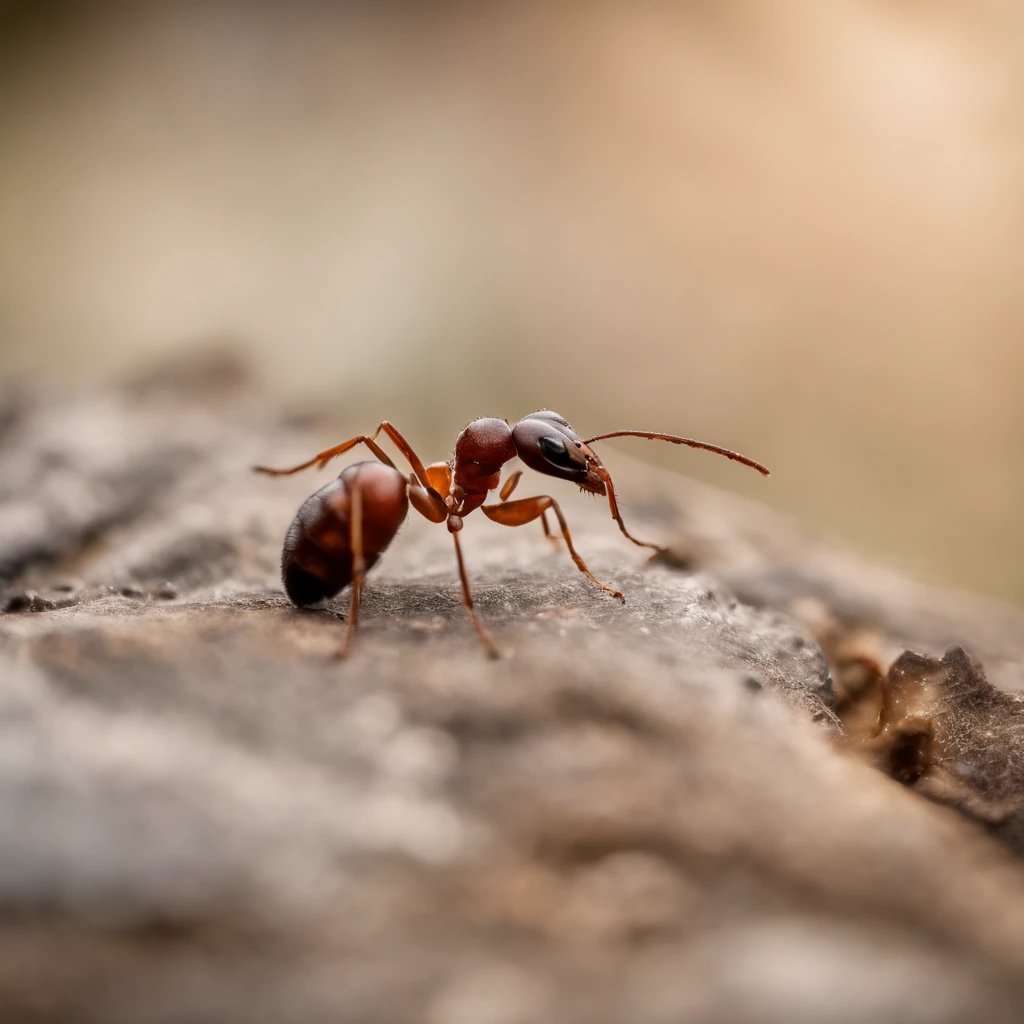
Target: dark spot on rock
[
  {"x": 753, "y": 684},
  {"x": 30, "y": 601},
  {"x": 191, "y": 560},
  {"x": 20, "y": 602},
  {"x": 910, "y": 754}
]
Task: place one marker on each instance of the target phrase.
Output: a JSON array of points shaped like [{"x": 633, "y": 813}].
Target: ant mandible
[{"x": 341, "y": 530}]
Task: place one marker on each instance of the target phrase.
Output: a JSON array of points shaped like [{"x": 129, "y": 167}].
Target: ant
[{"x": 341, "y": 530}]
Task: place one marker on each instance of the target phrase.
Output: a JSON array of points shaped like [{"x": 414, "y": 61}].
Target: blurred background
[{"x": 794, "y": 229}]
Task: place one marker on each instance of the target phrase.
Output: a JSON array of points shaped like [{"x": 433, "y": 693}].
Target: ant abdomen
[{"x": 317, "y": 560}]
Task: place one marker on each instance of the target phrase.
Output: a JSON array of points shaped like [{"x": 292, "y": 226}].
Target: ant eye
[
  {"x": 555, "y": 451},
  {"x": 549, "y": 448}
]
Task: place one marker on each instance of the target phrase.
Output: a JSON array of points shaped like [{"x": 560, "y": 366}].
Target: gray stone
[{"x": 641, "y": 812}]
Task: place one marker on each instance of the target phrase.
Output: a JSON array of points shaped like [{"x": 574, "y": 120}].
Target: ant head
[{"x": 545, "y": 442}]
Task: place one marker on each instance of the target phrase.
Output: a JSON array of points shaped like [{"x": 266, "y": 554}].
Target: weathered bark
[{"x": 642, "y": 812}]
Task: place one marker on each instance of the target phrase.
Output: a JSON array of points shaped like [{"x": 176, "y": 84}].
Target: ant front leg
[
  {"x": 505, "y": 493},
  {"x": 519, "y": 513},
  {"x": 613, "y": 505}
]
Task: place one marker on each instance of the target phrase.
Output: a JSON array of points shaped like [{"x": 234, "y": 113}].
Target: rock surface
[{"x": 644, "y": 812}]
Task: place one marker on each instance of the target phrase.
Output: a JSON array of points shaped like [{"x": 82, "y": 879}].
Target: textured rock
[
  {"x": 644, "y": 812},
  {"x": 939, "y": 725}
]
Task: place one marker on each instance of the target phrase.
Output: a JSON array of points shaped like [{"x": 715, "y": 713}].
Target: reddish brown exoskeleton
[{"x": 341, "y": 531}]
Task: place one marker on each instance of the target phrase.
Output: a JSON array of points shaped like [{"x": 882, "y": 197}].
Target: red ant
[{"x": 341, "y": 531}]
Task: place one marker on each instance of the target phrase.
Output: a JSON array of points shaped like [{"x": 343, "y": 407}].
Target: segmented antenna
[{"x": 650, "y": 436}]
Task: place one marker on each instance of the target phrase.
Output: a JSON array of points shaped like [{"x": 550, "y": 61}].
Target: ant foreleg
[
  {"x": 617, "y": 515},
  {"x": 525, "y": 510},
  {"x": 467, "y": 600},
  {"x": 505, "y": 493}
]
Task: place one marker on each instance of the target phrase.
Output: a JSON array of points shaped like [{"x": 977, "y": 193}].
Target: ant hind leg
[
  {"x": 370, "y": 440},
  {"x": 325, "y": 456},
  {"x": 355, "y": 536}
]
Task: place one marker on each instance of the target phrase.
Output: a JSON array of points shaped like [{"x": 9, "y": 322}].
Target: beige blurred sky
[{"x": 792, "y": 228}]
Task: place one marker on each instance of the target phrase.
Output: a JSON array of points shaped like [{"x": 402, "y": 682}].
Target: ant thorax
[{"x": 481, "y": 450}]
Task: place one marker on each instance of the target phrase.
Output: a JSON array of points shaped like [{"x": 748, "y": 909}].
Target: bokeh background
[{"x": 792, "y": 228}]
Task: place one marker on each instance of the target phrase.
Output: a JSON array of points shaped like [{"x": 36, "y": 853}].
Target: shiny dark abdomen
[{"x": 316, "y": 562}]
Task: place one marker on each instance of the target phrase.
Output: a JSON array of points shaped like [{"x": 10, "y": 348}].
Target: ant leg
[
  {"x": 547, "y": 529},
  {"x": 406, "y": 449},
  {"x": 519, "y": 513},
  {"x": 506, "y": 492},
  {"x": 370, "y": 440},
  {"x": 439, "y": 474},
  {"x": 324, "y": 457},
  {"x": 510, "y": 485},
  {"x": 467, "y": 600},
  {"x": 355, "y": 538},
  {"x": 428, "y": 503},
  {"x": 617, "y": 515}
]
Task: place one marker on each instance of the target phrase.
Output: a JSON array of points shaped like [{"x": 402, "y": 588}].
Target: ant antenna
[
  {"x": 650, "y": 436},
  {"x": 735, "y": 456}
]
